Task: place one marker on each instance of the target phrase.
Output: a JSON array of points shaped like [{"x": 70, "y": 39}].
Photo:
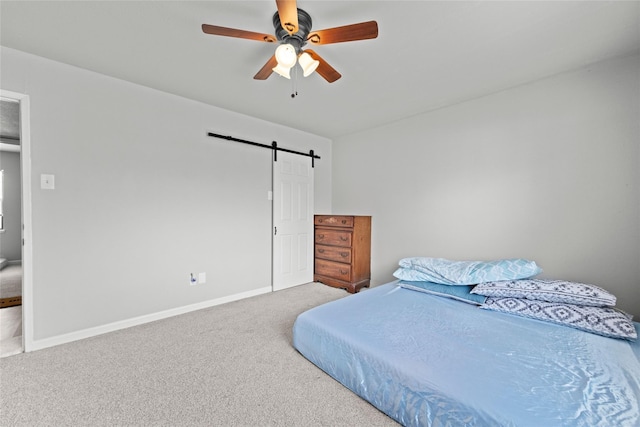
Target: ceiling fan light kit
[
  {"x": 286, "y": 55},
  {"x": 282, "y": 71},
  {"x": 307, "y": 63},
  {"x": 293, "y": 30}
]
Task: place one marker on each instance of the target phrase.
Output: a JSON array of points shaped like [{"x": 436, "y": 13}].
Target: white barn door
[{"x": 292, "y": 220}]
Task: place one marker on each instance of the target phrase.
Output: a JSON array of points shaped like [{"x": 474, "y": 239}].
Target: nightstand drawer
[
  {"x": 333, "y": 253},
  {"x": 333, "y": 237},
  {"x": 332, "y": 269},
  {"x": 334, "y": 221}
]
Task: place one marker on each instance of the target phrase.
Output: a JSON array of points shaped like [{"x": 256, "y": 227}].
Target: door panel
[{"x": 293, "y": 221}]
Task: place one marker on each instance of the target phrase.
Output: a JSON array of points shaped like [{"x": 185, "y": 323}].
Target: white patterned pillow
[
  {"x": 548, "y": 290},
  {"x": 606, "y": 321}
]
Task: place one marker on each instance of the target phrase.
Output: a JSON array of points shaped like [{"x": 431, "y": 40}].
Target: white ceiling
[{"x": 428, "y": 54}]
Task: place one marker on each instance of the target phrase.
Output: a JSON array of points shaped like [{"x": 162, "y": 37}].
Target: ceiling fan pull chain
[{"x": 294, "y": 83}]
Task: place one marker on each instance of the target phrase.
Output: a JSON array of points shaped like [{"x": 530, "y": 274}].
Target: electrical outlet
[
  {"x": 192, "y": 279},
  {"x": 202, "y": 278}
]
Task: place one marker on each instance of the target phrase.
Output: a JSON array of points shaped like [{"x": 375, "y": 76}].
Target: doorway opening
[{"x": 15, "y": 224}]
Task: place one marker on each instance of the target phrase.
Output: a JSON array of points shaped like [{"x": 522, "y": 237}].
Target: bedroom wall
[
  {"x": 11, "y": 237},
  {"x": 546, "y": 171},
  {"x": 143, "y": 198}
]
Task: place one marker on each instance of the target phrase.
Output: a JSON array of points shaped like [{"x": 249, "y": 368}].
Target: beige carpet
[{"x": 229, "y": 365}]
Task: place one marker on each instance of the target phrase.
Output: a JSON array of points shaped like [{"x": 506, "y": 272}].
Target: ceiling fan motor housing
[{"x": 298, "y": 39}]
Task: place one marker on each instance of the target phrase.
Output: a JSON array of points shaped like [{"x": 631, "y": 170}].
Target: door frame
[{"x": 27, "y": 248}]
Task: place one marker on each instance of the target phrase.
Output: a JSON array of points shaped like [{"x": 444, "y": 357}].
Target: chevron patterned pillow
[
  {"x": 605, "y": 321},
  {"x": 548, "y": 290}
]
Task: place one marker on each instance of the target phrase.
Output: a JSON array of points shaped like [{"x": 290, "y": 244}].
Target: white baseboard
[{"x": 123, "y": 324}]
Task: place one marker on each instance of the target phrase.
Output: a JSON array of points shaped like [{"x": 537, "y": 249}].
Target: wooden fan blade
[
  {"x": 267, "y": 69},
  {"x": 324, "y": 69},
  {"x": 288, "y": 12},
  {"x": 348, "y": 33},
  {"x": 233, "y": 32}
]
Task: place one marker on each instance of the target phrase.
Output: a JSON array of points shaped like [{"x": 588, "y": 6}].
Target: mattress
[{"x": 426, "y": 360}]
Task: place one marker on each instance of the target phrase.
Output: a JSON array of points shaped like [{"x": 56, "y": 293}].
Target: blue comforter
[{"x": 426, "y": 360}]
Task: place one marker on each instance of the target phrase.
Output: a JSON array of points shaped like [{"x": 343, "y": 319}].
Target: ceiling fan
[{"x": 293, "y": 31}]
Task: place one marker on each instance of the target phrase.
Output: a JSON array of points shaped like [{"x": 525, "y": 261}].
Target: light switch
[{"x": 47, "y": 182}]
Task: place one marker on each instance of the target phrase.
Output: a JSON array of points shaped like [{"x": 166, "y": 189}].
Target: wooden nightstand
[{"x": 343, "y": 251}]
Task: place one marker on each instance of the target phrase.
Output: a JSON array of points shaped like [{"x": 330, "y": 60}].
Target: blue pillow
[
  {"x": 460, "y": 293},
  {"x": 446, "y": 272}
]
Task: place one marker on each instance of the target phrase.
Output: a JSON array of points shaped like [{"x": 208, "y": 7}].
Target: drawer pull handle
[
  {"x": 344, "y": 254},
  {"x": 320, "y": 236},
  {"x": 343, "y": 238},
  {"x": 344, "y": 221},
  {"x": 321, "y": 251},
  {"x": 343, "y": 271}
]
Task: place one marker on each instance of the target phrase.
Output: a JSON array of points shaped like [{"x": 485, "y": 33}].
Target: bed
[
  {"x": 427, "y": 360},
  {"x": 10, "y": 284}
]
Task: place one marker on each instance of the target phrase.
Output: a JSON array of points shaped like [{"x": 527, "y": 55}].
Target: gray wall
[
  {"x": 546, "y": 171},
  {"x": 10, "y": 239},
  {"x": 143, "y": 197}
]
